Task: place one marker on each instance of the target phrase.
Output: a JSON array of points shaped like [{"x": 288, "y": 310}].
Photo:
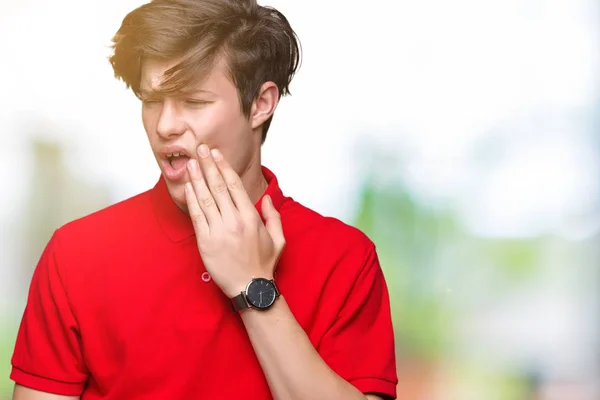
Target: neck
[{"x": 254, "y": 180}]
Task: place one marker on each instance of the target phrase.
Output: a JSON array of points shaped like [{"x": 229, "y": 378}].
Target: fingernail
[
  {"x": 216, "y": 154},
  {"x": 204, "y": 151},
  {"x": 193, "y": 164},
  {"x": 269, "y": 199}
]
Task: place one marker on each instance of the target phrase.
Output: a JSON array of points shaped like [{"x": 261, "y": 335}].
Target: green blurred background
[{"x": 462, "y": 137}]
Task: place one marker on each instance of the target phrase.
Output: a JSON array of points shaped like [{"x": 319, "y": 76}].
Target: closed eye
[
  {"x": 192, "y": 102},
  {"x": 150, "y": 101}
]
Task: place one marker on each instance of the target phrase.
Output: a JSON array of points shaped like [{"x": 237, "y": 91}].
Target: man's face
[{"x": 176, "y": 125}]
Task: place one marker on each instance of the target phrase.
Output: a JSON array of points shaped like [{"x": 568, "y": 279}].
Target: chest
[
  {"x": 154, "y": 325},
  {"x": 165, "y": 330}
]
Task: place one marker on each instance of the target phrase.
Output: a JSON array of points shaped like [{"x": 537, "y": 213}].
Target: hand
[{"x": 234, "y": 244}]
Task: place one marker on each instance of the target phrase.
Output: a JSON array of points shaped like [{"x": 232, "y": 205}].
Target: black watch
[{"x": 260, "y": 294}]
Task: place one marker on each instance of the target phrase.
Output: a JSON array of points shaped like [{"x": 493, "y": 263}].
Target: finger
[
  {"x": 216, "y": 183},
  {"x": 202, "y": 195},
  {"x": 236, "y": 188},
  {"x": 273, "y": 222},
  {"x": 196, "y": 213}
]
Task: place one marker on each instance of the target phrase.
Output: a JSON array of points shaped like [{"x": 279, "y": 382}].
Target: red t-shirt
[{"x": 121, "y": 307}]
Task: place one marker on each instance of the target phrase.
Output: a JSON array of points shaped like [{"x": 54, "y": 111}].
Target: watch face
[{"x": 261, "y": 293}]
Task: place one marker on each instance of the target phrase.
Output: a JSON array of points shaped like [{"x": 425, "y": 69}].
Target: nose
[{"x": 170, "y": 121}]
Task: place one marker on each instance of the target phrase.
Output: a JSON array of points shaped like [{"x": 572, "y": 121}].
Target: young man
[{"x": 186, "y": 291}]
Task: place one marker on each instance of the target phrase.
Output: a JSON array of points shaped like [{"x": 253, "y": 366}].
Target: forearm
[
  {"x": 25, "y": 393},
  {"x": 292, "y": 366}
]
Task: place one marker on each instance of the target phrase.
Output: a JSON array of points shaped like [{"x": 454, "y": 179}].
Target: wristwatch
[{"x": 260, "y": 294}]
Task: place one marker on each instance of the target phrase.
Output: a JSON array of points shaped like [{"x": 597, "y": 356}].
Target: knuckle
[
  {"x": 279, "y": 244},
  {"x": 251, "y": 219},
  {"x": 235, "y": 185},
  {"x": 237, "y": 226},
  {"x": 220, "y": 187},
  {"x": 207, "y": 202}
]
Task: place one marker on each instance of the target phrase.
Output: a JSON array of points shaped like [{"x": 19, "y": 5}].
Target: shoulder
[
  {"x": 333, "y": 242},
  {"x": 107, "y": 225},
  {"x": 301, "y": 220}
]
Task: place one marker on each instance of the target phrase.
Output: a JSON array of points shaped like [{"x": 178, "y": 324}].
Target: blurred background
[{"x": 463, "y": 137}]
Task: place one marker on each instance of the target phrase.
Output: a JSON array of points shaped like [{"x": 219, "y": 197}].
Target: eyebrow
[
  {"x": 147, "y": 91},
  {"x": 153, "y": 92}
]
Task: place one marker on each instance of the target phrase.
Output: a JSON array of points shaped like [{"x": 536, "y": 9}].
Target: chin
[{"x": 177, "y": 192}]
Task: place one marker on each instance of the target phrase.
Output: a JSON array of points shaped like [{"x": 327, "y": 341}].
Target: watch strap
[
  {"x": 277, "y": 293},
  {"x": 239, "y": 302}
]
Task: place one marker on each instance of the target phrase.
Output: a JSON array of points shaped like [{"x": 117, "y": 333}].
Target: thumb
[{"x": 273, "y": 222}]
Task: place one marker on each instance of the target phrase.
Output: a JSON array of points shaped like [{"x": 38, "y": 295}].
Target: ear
[{"x": 264, "y": 104}]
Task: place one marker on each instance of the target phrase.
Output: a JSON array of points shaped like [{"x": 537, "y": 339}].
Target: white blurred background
[{"x": 471, "y": 128}]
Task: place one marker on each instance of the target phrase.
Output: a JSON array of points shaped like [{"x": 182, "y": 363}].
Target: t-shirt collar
[{"x": 177, "y": 224}]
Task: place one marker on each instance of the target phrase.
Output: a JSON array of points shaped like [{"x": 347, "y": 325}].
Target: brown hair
[{"x": 258, "y": 43}]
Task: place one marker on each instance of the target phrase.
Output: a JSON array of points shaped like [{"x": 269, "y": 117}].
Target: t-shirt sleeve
[
  {"x": 359, "y": 346},
  {"x": 48, "y": 355}
]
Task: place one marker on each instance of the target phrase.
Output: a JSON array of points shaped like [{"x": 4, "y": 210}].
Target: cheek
[
  {"x": 231, "y": 133},
  {"x": 148, "y": 121},
  {"x": 219, "y": 126}
]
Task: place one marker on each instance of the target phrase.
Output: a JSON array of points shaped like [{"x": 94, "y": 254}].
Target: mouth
[
  {"x": 174, "y": 163},
  {"x": 177, "y": 160}
]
